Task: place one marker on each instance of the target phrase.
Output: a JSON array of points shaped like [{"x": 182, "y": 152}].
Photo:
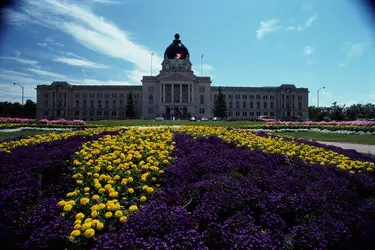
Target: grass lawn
[
  {"x": 4, "y": 135},
  {"x": 358, "y": 139},
  {"x": 184, "y": 122}
]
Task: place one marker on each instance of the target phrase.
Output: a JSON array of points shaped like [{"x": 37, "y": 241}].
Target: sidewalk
[{"x": 362, "y": 148}]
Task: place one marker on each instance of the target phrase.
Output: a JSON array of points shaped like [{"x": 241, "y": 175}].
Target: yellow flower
[
  {"x": 89, "y": 233},
  {"x": 77, "y": 226},
  {"x": 86, "y": 189},
  {"x": 113, "y": 194},
  {"x": 61, "y": 203},
  {"x": 88, "y": 220},
  {"x": 77, "y": 222},
  {"x": 101, "y": 190},
  {"x": 130, "y": 179},
  {"x": 67, "y": 207},
  {"x": 123, "y": 219},
  {"x": 108, "y": 214},
  {"x": 80, "y": 216},
  {"x": 94, "y": 214},
  {"x": 99, "y": 226},
  {"x": 86, "y": 226},
  {"x": 144, "y": 187},
  {"x": 75, "y": 233},
  {"x": 84, "y": 201},
  {"x": 130, "y": 190},
  {"x": 118, "y": 213},
  {"x": 143, "y": 198},
  {"x": 95, "y": 197},
  {"x": 133, "y": 208},
  {"x": 150, "y": 190}
]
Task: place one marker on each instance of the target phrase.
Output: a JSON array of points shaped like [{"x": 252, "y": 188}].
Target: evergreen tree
[
  {"x": 220, "y": 105},
  {"x": 130, "y": 110}
]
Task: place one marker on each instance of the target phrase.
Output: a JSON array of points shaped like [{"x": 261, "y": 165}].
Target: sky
[{"x": 251, "y": 43}]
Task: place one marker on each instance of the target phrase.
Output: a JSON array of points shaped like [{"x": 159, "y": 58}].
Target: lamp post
[
  {"x": 22, "y": 94},
  {"x": 318, "y": 94}
]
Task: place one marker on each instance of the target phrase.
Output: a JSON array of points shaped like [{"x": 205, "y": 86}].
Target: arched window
[
  {"x": 92, "y": 104},
  {"x": 251, "y": 105},
  {"x": 77, "y": 104},
  {"x": 258, "y": 105},
  {"x": 84, "y": 104},
  {"x": 46, "y": 104},
  {"x": 114, "y": 104},
  {"x": 99, "y": 104},
  {"x": 271, "y": 105},
  {"x": 106, "y": 104},
  {"x": 265, "y": 105}
]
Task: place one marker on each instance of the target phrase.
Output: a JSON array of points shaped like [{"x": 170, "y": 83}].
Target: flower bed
[
  {"x": 42, "y": 121},
  {"x": 217, "y": 188},
  {"x": 342, "y": 123},
  {"x": 317, "y": 130},
  {"x": 9, "y": 144},
  {"x": 309, "y": 153},
  {"x": 249, "y": 200},
  {"x": 8, "y": 126},
  {"x": 32, "y": 178},
  {"x": 325, "y": 127},
  {"x": 114, "y": 176}
]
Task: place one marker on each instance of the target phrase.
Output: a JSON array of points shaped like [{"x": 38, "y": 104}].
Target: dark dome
[{"x": 176, "y": 49}]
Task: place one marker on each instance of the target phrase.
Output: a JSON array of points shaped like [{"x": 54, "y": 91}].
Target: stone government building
[{"x": 175, "y": 92}]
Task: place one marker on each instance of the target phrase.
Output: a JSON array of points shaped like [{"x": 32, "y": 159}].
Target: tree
[
  {"x": 220, "y": 105},
  {"x": 130, "y": 110},
  {"x": 29, "y": 109}
]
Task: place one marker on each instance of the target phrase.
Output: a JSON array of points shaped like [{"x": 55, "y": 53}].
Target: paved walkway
[{"x": 362, "y": 148}]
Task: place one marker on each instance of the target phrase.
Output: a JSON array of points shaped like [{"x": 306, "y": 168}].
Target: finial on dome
[{"x": 177, "y": 36}]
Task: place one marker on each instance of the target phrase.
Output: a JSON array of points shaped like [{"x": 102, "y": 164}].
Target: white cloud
[
  {"x": 267, "y": 27},
  {"x": 350, "y": 102},
  {"x": 310, "y": 21},
  {"x": 92, "y": 32},
  {"x": 342, "y": 64},
  {"x": 206, "y": 70},
  {"x": 80, "y": 62},
  {"x": 107, "y": 1},
  {"x": 306, "y": 25},
  {"x": 99, "y": 82},
  {"x": 308, "y": 50},
  {"x": 356, "y": 50},
  {"x": 20, "y": 60},
  {"x": 48, "y": 74},
  {"x": 372, "y": 96},
  {"x": 50, "y": 41}
]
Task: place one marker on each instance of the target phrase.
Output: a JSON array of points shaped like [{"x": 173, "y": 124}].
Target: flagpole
[
  {"x": 201, "y": 65},
  {"x": 151, "y": 61}
]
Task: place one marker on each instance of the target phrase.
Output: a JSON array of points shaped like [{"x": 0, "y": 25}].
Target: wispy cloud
[
  {"x": 342, "y": 64},
  {"x": 308, "y": 24},
  {"x": 49, "y": 41},
  {"x": 308, "y": 50},
  {"x": 267, "y": 27},
  {"x": 206, "y": 70},
  {"x": 107, "y": 1},
  {"x": 92, "y": 32},
  {"x": 20, "y": 60},
  {"x": 48, "y": 74},
  {"x": 80, "y": 62},
  {"x": 356, "y": 50}
]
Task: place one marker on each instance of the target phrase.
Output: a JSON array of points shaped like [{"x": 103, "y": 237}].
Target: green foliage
[
  {"x": 220, "y": 105},
  {"x": 342, "y": 113},
  {"x": 9, "y": 109},
  {"x": 130, "y": 109}
]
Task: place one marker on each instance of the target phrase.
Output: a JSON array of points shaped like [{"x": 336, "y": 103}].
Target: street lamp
[
  {"x": 318, "y": 94},
  {"x": 22, "y": 94}
]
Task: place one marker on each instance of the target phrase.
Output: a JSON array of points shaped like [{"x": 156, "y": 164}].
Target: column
[
  {"x": 172, "y": 94},
  {"x": 161, "y": 94},
  {"x": 188, "y": 95},
  {"x": 192, "y": 92},
  {"x": 164, "y": 93},
  {"x": 180, "y": 93}
]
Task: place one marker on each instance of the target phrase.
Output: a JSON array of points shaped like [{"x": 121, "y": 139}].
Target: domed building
[{"x": 175, "y": 93}]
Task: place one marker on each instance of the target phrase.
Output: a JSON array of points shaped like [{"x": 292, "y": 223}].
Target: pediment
[{"x": 176, "y": 77}]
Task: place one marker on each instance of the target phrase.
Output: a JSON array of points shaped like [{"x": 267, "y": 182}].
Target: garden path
[{"x": 362, "y": 148}]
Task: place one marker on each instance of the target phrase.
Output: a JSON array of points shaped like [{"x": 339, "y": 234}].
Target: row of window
[
  {"x": 92, "y": 113},
  {"x": 265, "y": 105},
  {"x": 265, "y": 113},
  {"x": 98, "y": 95},
  {"x": 245, "y": 97}
]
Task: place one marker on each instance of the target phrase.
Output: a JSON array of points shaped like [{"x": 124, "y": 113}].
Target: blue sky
[{"x": 308, "y": 43}]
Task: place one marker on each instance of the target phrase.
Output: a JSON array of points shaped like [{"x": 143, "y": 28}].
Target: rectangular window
[
  {"x": 201, "y": 111},
  {"x": 46, "y": 112},
  {"x": 237, "y": 105},
  {"x": 92, "y": 104},
  {"x": 244, "y": 114},
  {"x": 244, "y": 105},
  {"x": 230, "y": 105},
  {"x": 150, "y": 110},
  {"x": 114, "y": 113},
  {"x": 265, "y": 105},
  {"x": 237, "y": 113},
  {"x": 244, "y": 97},
  {"x": 150, "y": 100},
  {"x": 251, "y": 105},
  {"x": 258, "y": 113},
  {"x": 251, "y": 96},
  {"x": 251, "y": 113},
  {"x": 76, "y": 113},
  {"x": 272, "y": 113},
  {"x": 238, "y": 97},
  {"x": 265, "y": 113},
  {"x": 114, "y": 104},
  {"x": 202, "y": 99}
]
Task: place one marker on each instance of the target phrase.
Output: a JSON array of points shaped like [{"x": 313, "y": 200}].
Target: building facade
[{"x": 175, "y": 92}]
